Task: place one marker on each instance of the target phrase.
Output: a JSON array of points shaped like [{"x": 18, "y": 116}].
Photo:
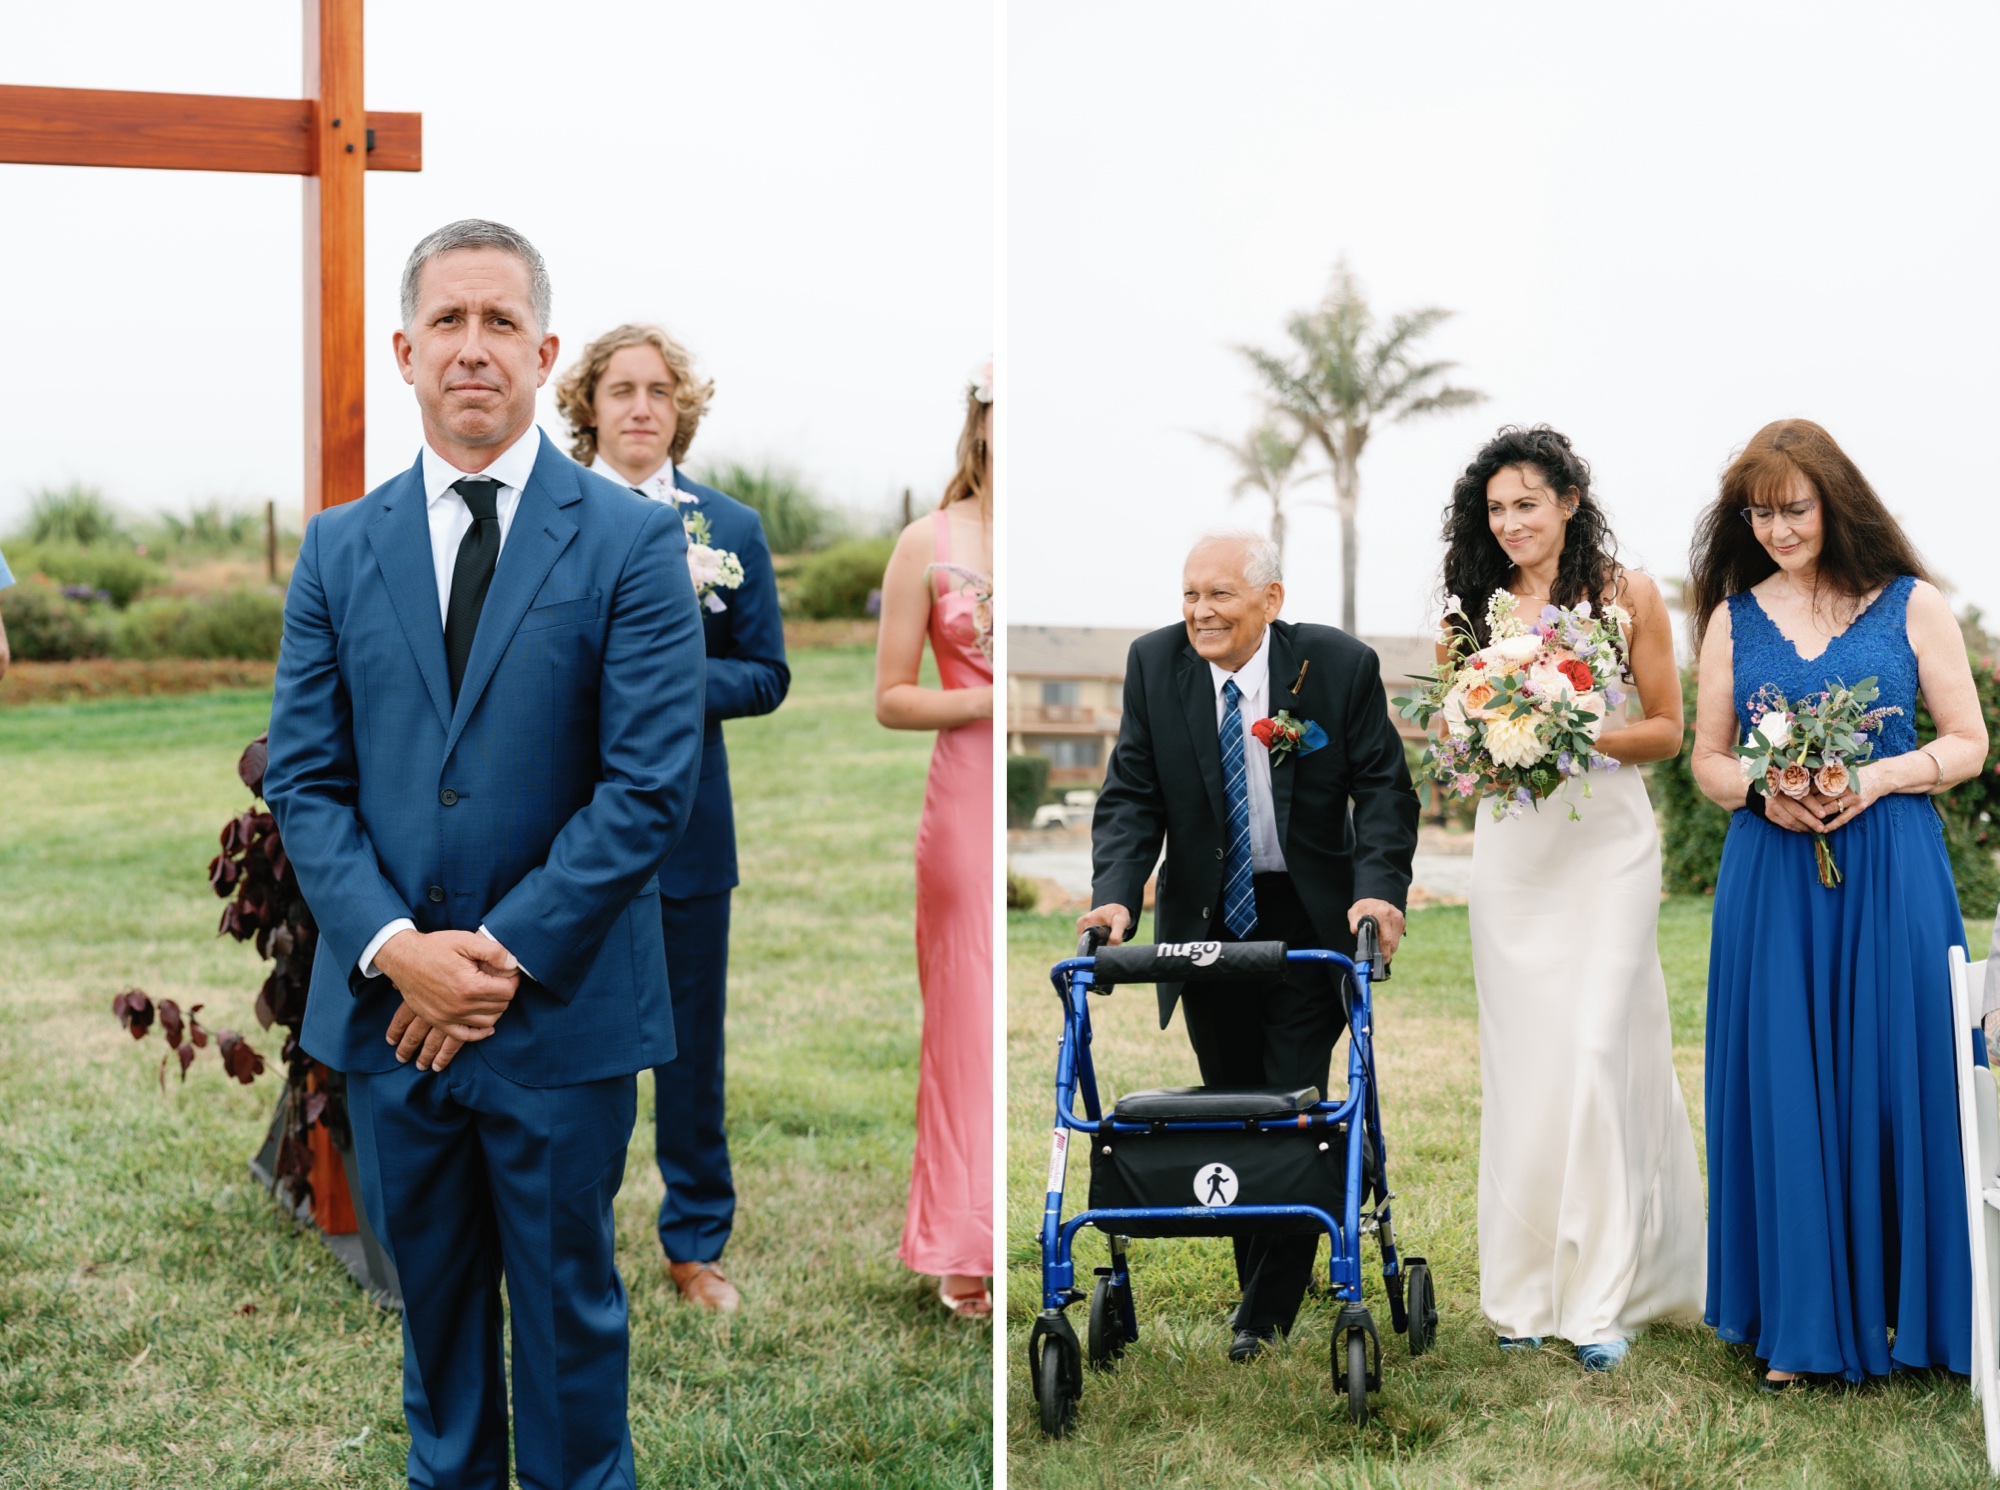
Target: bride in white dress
[{"x": 1591, "y": 1220}]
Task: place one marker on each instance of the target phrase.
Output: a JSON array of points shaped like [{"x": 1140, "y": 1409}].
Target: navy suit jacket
[
  {"x": 541, "y": 806},
  {"x": 747, "y": 675}
]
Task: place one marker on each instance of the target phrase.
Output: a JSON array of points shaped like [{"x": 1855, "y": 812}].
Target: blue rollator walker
[{"x": 1253, "y": 1160}]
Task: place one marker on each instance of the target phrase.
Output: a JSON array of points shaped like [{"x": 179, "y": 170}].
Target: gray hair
[
  {"x": 1261, "y": 563},
  {"x": 476, "y": 232}
]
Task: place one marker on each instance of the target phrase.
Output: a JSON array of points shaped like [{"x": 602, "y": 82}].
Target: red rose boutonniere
[{"x": 1282, "y": 734}]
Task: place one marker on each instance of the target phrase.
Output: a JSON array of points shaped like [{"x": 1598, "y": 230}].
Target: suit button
[
  {"x": 448, "y": 797},
  {"x": 437, "y": 895},
  {"x": 1218, "y": 853},
  {"x": 1204, "y": 913}
]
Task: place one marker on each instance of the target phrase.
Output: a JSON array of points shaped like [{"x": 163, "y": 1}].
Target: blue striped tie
[{"x": 1239, "y": 899}]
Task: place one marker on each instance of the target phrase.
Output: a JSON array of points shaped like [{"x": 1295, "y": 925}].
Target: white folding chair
[{"x": 1979, "y": 1148}]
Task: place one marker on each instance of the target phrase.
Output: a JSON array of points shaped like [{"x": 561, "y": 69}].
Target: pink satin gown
[{"x": 950, "y": 1223}]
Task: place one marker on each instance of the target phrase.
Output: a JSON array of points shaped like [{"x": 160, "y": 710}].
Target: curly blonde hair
[{"x": 576, "y": 390}]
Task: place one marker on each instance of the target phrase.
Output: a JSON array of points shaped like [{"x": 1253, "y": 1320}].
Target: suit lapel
[
  {"x": 1279, "y": 697},
  {"x": 539, "y": 534},
  {"x": 401, "y": 539},
  {"x": 1198, "y": 710}
]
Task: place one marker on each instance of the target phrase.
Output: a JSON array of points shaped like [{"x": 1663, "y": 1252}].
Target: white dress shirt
[
  {"x": 658, "y": 487},
  {"x": 1253, "y": 679},
  {"x": 450, "y": 520}
]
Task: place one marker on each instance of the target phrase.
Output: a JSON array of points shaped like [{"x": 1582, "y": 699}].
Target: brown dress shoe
[{"x": 702, "y": 1283}]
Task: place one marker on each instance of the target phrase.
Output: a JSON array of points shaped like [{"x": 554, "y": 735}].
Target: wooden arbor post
[{"x": 327, "y": 137}]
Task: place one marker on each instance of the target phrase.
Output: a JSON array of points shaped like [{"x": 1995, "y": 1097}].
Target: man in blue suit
[
  {"x": 634, "y": 403},
  {"x": 484, "y": 744}
]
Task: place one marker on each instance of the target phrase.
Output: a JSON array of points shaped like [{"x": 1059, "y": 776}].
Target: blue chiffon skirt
[{"x": 1837, "y": 1238}]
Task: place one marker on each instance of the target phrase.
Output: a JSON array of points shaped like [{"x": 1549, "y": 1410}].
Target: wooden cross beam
[{"x": 327, "y": 137}]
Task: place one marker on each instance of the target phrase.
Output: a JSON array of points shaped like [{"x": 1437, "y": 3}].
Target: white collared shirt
[
  {"x": 1253, "y": 679},
  {"x": 451, "y": 519},
  {"x": 658, "y": 487}
]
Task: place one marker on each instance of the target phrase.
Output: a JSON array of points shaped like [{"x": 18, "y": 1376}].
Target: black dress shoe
[{"x": 1247, "y": 1343}]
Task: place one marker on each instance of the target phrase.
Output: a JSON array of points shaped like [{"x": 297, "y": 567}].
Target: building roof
[{"x": 1070, "y": 651}]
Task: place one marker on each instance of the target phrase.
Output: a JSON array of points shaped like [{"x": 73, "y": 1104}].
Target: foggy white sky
[
  {"x": 802, "y": 193},
  {"x": 1657, "y": 237}
]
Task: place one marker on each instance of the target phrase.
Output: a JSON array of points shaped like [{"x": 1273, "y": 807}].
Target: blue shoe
[
  {"x": 1521, "y": 1342},
  {"x": 1602, "y": 1357}
]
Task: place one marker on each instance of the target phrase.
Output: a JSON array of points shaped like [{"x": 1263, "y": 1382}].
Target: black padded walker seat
[{"x": 1215, "y": 1103}]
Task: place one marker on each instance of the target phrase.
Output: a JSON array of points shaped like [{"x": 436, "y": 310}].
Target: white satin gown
[{"x": 1591, "y": 1212}]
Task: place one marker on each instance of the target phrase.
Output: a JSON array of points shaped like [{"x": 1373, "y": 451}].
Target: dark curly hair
[
  {"x": 1864, "y": 547},
  {"x": 1474, "y": 563}
]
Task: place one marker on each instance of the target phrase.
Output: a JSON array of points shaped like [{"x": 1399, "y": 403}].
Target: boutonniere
[
  {"x": 711, "y": 568},
  {"x": 1282, "y": 734}
]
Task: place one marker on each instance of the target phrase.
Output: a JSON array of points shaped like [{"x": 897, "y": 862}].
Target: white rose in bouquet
[
  {"x": 1776, "y": 728},
  {"x": 1549, "y": 683},
  {"x": 1454, "y": 713},
  {"x": 1517, "y": 649},
  {"x": 1594, "y": 703}
]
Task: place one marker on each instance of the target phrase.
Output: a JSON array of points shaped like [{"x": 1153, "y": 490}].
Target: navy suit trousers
[
  {"x": 693, "y": 1148},
  {"x": 469, "y": 1178}
]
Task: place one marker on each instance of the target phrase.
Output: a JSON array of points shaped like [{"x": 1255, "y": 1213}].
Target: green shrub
[
  {"x": 1969, "y": 810},
  {"x": 836, "y": 583},
  {"x": 242, "y": 625},
  {"x": 115, "y": 570},
  {"x": 76, "y": 514},
  {"x": 1027, "y": 782},
  {"x": 211, "y": 528},
  {"x": 1693, "y": 827},
  {"x": 45, "y": 625},
  {"x": 1021, "y": 894},
  {"x": 795, "y": 519}
]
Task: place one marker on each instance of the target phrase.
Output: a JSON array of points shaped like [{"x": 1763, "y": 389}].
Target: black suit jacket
[{"x": 1347, "y": 814}]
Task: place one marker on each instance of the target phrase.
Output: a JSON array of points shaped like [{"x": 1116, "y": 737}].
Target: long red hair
[{"x": 1863, "y": 546}]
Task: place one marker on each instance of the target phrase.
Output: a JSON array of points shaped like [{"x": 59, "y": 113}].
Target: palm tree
[
  {"x": 1267, "y": 462},
  {"x": 1341, "y": 378}
]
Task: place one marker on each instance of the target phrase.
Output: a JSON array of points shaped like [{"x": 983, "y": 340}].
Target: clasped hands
[
  {"x": 1816, "y": 813},
  {"x": 455, "y": 986}
]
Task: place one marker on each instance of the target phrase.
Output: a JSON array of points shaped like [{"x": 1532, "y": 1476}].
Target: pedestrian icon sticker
[{"x": 1215, "y": 1184}]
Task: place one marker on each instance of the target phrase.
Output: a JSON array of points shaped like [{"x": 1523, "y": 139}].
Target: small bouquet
[
  {"x": 1522, "y": 714},
  {"x": 710, "y": 568},
  {"x": 1793, "y": 748}
]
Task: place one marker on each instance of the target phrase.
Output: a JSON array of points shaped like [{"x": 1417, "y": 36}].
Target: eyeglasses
[{"x": 1796, "y": 513}]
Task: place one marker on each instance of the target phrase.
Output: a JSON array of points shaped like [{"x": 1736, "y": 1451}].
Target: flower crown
[{"x": 981, "y": 384}]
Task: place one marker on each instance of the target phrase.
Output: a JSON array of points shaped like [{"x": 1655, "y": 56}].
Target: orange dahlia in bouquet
[
  {"x": 1793, "y": 749},
  {"x": 1523, "y": 713}
]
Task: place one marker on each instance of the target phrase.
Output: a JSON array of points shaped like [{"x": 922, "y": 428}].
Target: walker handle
[
  {"x": 1368, "y": 949},
  {"x": 1093, "y": 937}
]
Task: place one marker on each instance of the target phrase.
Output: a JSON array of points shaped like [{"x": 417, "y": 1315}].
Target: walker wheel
[
  {"x": 1423, "y": 1306},
  {"x": 1107, "y": 1327},
  {"x": 1053, "y": 1390},
  {"x": 1357, "y": 1374}
]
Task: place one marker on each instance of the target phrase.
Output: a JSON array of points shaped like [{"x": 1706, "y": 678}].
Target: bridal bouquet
[
  {"x": 1793, "y": 748},
  {"x": 1522, "y": 714}
]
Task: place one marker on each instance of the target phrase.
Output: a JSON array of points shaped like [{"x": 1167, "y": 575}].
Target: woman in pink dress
[{"x": 939, "y": 584}]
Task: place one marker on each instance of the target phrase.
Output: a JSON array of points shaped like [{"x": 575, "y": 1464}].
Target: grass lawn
[
  {"x": 1683, "y": 1411},
  {"x": 161, "y": 1325}
]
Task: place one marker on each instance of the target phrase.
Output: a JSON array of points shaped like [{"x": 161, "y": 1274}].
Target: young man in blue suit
[
  {"x": 634, "y": 403},
  {"x": 484, "y": 744}
]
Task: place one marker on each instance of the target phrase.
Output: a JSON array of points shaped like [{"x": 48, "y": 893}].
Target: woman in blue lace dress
[{"x": 1837, "y": 1243}]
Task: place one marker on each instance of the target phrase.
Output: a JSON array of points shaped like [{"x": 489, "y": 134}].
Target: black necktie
[{"x": 472, "y": 575}]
